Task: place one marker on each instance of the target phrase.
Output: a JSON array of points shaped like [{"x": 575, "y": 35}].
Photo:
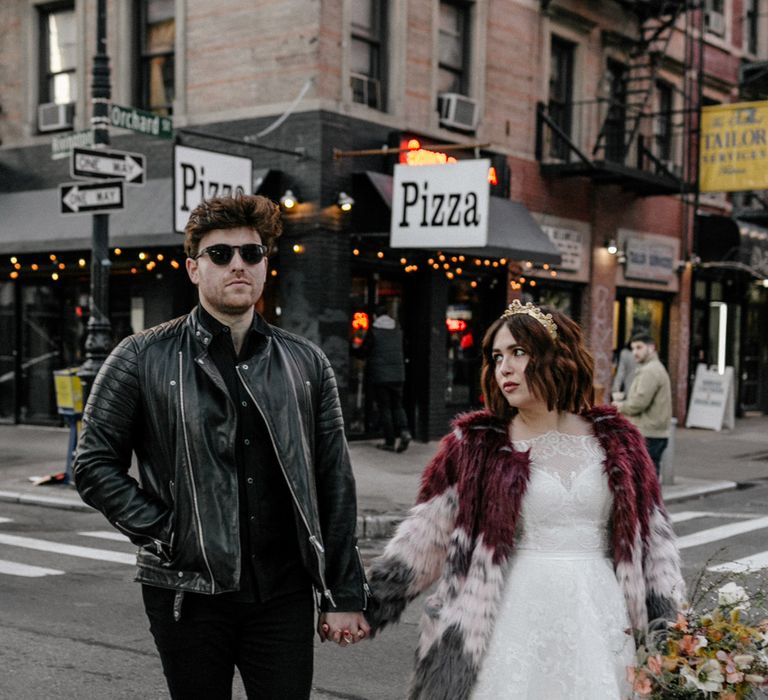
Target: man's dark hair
[
  {"x": 642, "y": 338},
  {"x": 249, "y": 211},
  {"x": 381, "y": 310}
]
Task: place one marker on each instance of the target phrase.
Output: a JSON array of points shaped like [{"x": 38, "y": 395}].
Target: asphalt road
[{"x": 72, "y": 625}]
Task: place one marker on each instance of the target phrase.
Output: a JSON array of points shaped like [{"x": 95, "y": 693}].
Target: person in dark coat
[{"x": 383, "y": 346}]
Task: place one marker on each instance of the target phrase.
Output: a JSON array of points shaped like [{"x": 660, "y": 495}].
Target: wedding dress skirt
[{"x": 562, "y": 628}]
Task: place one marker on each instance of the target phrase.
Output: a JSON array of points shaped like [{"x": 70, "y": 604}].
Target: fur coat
[{"x": 461, "y": 534}]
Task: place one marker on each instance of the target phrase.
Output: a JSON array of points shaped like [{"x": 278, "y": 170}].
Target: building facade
[{"x": 586, "y": 112}]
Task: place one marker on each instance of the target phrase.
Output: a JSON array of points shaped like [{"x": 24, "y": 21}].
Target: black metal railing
[{"x": 600, "y": 131}]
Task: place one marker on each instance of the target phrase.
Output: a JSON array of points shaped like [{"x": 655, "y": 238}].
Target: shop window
[
  {"x": 156, "y": 34},
  {"x": 453, "y": 46},
  {"x": 58, "y": 62},
  {"x": 368, "y": 52},
  {"x": 560, "y": 107}
]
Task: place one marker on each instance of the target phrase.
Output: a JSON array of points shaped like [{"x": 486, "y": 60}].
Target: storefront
[
  {"x": 730, "y": 312},
  {"x": 443, "y": 293}
]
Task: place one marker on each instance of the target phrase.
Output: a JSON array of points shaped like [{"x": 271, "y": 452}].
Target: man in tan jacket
[{"x": 649, "y": 402}]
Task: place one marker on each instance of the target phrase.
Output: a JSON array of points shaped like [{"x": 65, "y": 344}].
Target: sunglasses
[{"x": 222, "y": 253}]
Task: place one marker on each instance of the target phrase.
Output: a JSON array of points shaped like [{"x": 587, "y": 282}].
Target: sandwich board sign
[{"x": 712, "y": 403}]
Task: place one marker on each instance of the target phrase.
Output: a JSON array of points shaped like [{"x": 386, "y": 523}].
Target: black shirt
[{"x": 271, "y": 560}]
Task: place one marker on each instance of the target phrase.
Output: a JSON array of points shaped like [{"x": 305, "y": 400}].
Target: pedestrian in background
[
  {"x": 383, "y": 348},
  {"x": 649, "y": 402},
  {"x": 541, "y": 524},
  {"x": 625, "y": 373},
  {"x": 245, "y": 499}
]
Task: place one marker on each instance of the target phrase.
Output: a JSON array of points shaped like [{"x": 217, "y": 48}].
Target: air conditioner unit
[
  {"x": 715, "y": 22},
  {"x": 53, "y": 117},
  {"x": 457, "y": 111},
  {"x": 365, "y": 90}
]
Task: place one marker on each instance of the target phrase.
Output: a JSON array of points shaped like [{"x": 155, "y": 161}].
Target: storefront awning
[
  {"x": 512, "y": 232},
  {"x": 31, "y": 221},
  {"x": 731, "y": 244}
]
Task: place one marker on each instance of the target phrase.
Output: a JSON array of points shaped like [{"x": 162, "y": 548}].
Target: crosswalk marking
[
  {"x": 13, "y": 568},
  {"x": 685, "y": 515},
  {"x": 105, "y": 535},
  {"x": 68, "y": 549},
  {"x": 754, "y": 562},
  {"x": 721, "y": 533}
]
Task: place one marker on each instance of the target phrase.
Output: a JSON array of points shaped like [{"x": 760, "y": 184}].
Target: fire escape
[{"x": 630, "y": 135}]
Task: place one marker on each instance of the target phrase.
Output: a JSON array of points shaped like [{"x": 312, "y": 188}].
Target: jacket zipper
[
  {"x": 158, "y": 542},
  {"x": 192, "y": 475},
  {"x": 366, "y": 587},
  {"x": 313, "y": 539}
]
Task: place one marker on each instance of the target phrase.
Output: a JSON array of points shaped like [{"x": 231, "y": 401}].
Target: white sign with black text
[
  {"x": 439, "y": 206},
  {"x": 199, "y": 174},
  {"x": 712, "y": 402}
]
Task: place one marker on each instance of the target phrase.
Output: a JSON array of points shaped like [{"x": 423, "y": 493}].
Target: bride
[{"x": 541, "y": 520}]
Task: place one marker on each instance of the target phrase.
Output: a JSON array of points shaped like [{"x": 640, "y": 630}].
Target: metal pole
[{"x": 99, "y": 333}]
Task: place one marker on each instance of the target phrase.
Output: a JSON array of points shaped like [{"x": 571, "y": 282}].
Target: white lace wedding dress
[{"x": 561, "y": 633}]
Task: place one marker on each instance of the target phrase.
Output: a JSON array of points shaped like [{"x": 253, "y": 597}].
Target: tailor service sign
[
  {"x": 440, "y": 206},
  {"x": 199, "y": 174},
  {"x": 734, "y": 147}
]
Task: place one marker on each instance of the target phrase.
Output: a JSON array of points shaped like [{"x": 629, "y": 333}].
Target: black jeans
[
  {"x": 389, "y": 400},
  {"x": 270, "y": 643},
  {"x": 656, "y": 447}
]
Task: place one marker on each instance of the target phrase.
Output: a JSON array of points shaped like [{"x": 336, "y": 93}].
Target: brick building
[{"x": 585, "y": 111}]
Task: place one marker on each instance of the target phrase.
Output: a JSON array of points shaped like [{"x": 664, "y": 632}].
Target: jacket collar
[{"x": 202, "y": 334}]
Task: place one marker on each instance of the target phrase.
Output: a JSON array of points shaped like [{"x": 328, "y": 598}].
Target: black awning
[
  {"x": 512, "y": 232},
  {"x": 731, "y": 244}
]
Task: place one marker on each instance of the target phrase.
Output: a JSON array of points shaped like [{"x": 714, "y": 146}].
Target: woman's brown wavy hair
[{"x": 559, "y": 371}]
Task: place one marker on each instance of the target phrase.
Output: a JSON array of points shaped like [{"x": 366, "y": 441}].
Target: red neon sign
[
  {"x": 416, "y": 155},
  {"x": 360, "y": 321},
  {"x": 456, "y": 325}
]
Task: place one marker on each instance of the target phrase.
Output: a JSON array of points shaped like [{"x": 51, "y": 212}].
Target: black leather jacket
[{"x": 158, "y": 394}]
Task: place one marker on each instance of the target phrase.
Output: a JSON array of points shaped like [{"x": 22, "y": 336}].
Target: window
[
  {"x": 616, "y": 119},
  {"x": 560, "y": 107},
  {"x": 453, "y": 57},
  {"x": 367, "y": 74},
  {"x": 751, "y": 26},
  {"x": 663, "y": 121},
  {"x": 714, "y": 17},
  {"x": 156, "y": 39},
  {"x": 58, "y": 43}
]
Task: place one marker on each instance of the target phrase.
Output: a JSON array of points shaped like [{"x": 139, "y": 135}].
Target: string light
[
  {"x": 14, "y": 275},
  {"x": 273, "y": 273},
  {"x": 61, "y": 266},
  {"x": 14, "y": 260},
  {"x": 55, "y": 276},
  {"x": 160, "y": 257},
  {"x": 175, "y": 264},
  {"x": 118, "y": 251},
  {"x": 35, "y": 267},
  {"x": 52, "y": 257},
  {"x": 380, "y": 255},
  {"x": 142, "y": 256},
  {"x": 403, "y": 261},
  {"x": 298, "y": 248},
  {"x": 355, "y": 251},
  {"x": 81, "y": 262}
]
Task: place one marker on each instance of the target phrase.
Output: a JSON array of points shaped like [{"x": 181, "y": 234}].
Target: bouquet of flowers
[{"x": 716, "y": 654}]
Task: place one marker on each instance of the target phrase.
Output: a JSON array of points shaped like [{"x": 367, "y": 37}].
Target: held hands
[{"x": 344, "y": 628}]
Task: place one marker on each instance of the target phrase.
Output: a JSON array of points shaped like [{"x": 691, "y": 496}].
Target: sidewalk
[{"x": 705, "y": 462}]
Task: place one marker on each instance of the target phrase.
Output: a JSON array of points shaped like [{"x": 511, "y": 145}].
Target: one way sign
[
  {"x": 91, "y": 197},
  {"x": 92, "y": 163}
]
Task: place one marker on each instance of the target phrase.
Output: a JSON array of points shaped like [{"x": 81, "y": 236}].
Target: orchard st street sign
[{"x": 141, "y": 121}]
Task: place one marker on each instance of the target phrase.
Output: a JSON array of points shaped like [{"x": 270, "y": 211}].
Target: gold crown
[{"x": 534, "y": 312}]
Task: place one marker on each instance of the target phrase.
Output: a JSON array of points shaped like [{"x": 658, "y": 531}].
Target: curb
[
  {"x": 702, "y": 490},
  {"x": 45, "y": 501}
]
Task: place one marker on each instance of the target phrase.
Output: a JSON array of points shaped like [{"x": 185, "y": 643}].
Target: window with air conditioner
[
  {"x": 155, "y": 85},
  {"x": 714, "y": 17},
  {"x": 368, "y": 52},
  {"x": 456, "y": 109},
  {"x": 58, "y": 75}
]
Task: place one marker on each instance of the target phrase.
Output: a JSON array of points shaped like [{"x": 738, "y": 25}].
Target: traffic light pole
[{"x": 98, "y": 340}]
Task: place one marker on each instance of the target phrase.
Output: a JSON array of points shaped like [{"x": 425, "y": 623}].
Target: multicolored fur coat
[{"x": 462, "y": 532}]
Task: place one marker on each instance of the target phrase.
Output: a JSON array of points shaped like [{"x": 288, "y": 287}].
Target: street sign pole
[{"x": 98, "y": 340}]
